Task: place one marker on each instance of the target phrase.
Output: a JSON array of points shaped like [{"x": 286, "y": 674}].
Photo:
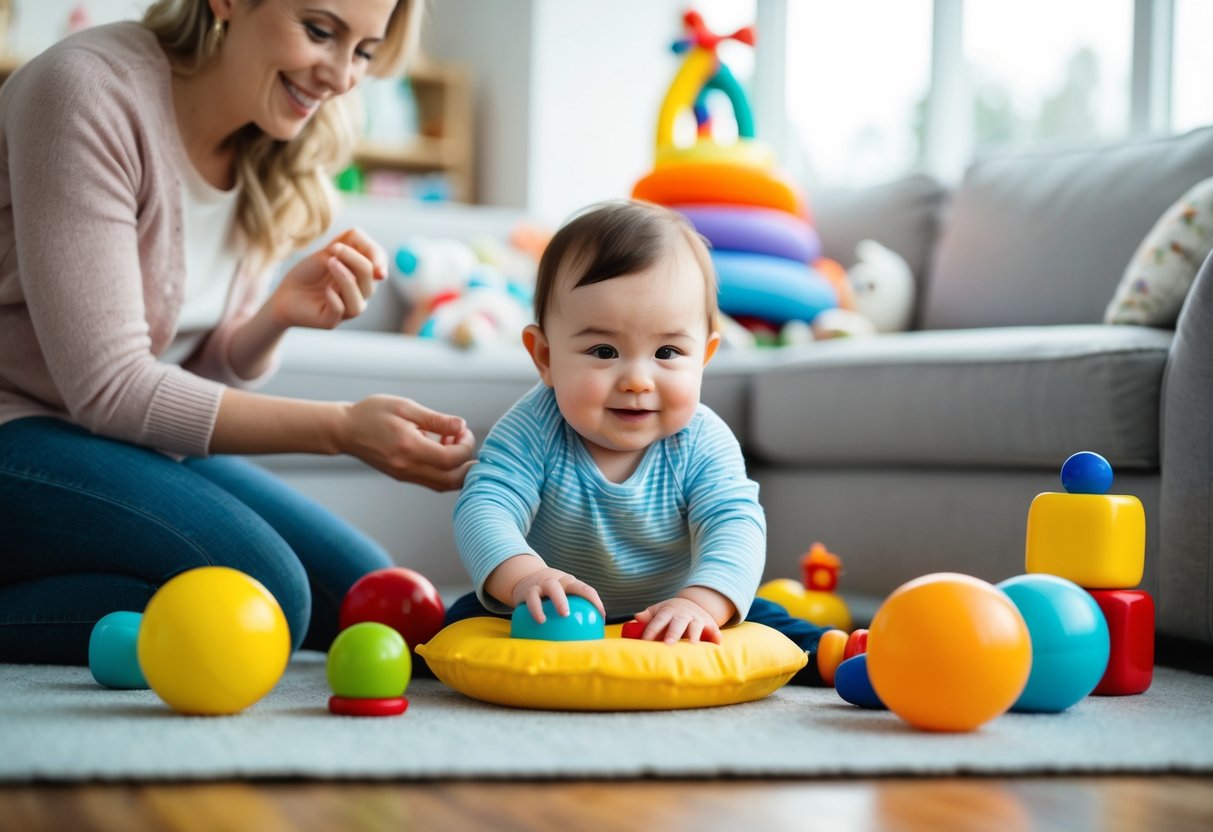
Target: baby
[{"x": 610, "y": 480}]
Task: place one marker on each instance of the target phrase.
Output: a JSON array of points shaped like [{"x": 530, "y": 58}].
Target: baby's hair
[{"x": 615, "y": 239}]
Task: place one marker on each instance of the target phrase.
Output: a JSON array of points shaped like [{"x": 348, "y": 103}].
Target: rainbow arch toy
[{"x": 755, "y": 216}]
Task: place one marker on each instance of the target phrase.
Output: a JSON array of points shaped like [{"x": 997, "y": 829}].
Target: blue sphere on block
[
  {"x": 853, "y": 684},
  {"x": 583, "y": 623},
  {"x": 1086, "y": 472},
  {"x": 112, "y": 655},
  {"x": 1070, "y": 644}
]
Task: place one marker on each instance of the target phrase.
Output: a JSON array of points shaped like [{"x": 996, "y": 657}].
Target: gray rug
[{"x": 57, "y": 724}]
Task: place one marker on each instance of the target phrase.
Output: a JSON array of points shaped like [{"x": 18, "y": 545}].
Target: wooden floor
[{"x": 1148, "y": 804}]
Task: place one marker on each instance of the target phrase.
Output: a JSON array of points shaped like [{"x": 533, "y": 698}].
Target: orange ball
[{"x": 948, "y": 652}]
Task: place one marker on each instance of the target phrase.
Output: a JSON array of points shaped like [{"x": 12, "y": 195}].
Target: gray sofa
[{"x": 906, "y": 453}]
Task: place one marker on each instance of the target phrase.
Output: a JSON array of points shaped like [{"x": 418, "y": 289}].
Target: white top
[{"x": 211, "y": 260}]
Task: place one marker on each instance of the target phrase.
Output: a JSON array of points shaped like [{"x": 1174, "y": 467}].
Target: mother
[{"x": 150, "y": 176}]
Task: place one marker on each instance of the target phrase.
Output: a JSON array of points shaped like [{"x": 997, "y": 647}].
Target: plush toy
[
  {"x": 454, "y": 296},
  {"x": 884, "y": 286}
]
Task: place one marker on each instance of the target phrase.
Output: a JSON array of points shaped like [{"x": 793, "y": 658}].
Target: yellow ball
[
  {"x": 213, "y": 641},
  {"x": 948, "y": 652}
]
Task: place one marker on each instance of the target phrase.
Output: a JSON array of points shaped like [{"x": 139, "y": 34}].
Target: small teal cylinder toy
[
  {"x": 113, "y": 657},
  {"x": 583, "y": 623},
  {"x": 1070, "y": 643}
]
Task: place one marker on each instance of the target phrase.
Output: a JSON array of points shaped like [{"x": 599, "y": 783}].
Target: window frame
[{"x": 949, "y": 140}]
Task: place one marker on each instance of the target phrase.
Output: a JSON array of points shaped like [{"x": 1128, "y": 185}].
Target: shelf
[{"x": 445, "y": 144}]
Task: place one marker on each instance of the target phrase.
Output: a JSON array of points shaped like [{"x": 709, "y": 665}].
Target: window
[
  {"x": 1192, "y": 65},
  {"x": 855, "y": 92},
  {"x": 1042, "y": 71},
  {"x": 872, "y": 89}
]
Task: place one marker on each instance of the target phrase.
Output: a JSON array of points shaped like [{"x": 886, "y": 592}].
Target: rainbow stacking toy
[
  {"x": 756, "y": 218},
  {"x": 1098, "y": 541}
]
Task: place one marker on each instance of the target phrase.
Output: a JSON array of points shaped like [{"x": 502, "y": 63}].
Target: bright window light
[
  {"x": 1192, "y": 67},
  {"x": 856, "y": 91},
  {"x": 1043, "y": 71}
]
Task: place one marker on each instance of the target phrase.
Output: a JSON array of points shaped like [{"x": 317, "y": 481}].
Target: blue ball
[
  {"x": 1086, "y": 472},
  {"x": 1070, "y": 644},
  {"x": 112, "y": 657},
  {"x": 853, "y": 683},
  {"x": 583, "y": 623}
]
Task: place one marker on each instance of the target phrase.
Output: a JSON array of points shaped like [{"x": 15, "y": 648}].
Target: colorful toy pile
[
  {"x": 949, "y": 652},
  {"x": 765, "y": 249},
  {"x": 1098, "y": 541},
  {"x": 468, "y": 295},
  {"x": 384, "y": 616}
]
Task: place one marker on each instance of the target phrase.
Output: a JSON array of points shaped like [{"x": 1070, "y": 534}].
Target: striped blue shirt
[{"x": 687, "y": 516}]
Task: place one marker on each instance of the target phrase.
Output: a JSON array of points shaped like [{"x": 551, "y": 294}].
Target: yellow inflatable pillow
[{"x": 478, "y": 658}]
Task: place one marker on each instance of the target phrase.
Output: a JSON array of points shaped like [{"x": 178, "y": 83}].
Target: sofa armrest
[{"x": 1185, "y": 603}]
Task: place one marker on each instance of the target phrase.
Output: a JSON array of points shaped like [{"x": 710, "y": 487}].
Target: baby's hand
[
  {"x": 676, "y": 617},
  {"x": 552, "y": 583}
]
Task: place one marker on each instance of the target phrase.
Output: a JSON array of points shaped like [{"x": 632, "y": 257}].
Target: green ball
[{"x": 369, "y": 661}]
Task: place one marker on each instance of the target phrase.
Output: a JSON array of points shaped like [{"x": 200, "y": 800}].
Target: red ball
[{"x": 400, "y": 598}]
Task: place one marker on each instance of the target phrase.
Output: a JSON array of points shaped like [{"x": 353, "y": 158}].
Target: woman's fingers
[
  {"x": 432, "y": 421},
  {"x": 360, "y": 267},
  {"x": 359, "y": 240},
  {"x": 346, "y": 284}
]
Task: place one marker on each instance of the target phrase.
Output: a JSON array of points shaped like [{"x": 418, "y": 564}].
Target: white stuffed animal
[
  {"x": 454, "y": 297},
  {"x": 884, "y": 286}
]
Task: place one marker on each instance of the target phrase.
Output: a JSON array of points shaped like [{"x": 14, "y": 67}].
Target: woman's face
[{"x": 287, "y": 56}]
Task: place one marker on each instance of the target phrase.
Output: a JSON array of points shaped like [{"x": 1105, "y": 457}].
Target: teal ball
[
  {"x": 583, "y": 623},
  {"x": 113, "y": 657}
]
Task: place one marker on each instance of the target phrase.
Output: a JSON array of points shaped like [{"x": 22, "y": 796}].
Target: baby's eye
[
  {"x": 668, "y": 352},
  {"x": 604, "y": 351}
]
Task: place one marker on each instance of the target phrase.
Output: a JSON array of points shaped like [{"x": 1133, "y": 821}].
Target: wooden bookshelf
[{"x": 445, "y": 140}]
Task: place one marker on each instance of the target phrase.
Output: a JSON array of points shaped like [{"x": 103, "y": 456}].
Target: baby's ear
[
  {"x": 710, "y": 348},
  {"x": 536, "y": 344}
]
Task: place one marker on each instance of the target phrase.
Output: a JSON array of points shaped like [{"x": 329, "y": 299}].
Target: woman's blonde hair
[{"x": 286, "y": 193}]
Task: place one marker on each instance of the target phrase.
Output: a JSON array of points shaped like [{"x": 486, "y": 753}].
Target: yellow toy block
[{"x": 1098, "y": 541}]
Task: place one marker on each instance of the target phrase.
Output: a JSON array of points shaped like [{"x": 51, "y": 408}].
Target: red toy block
[
  {"x": 350, "y": 706},
  {"x": 632, "y": 629},
  {"x": 857, "y": 643},
  {"x": 1130, "y": 615}
]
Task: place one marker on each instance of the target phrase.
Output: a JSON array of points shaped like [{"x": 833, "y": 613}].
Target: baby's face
[{"x": 627, "y": 356}]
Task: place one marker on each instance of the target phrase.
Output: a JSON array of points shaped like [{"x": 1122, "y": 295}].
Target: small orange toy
[{"x": 813, "y": 600}]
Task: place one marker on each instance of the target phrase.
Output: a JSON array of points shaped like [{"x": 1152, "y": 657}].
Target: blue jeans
[
  {"x": 90, "y": 525},
  {"x": 762, "y": 611}
]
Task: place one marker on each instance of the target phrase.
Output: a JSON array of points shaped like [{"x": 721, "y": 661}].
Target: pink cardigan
[{"x": 91, "y": 249}]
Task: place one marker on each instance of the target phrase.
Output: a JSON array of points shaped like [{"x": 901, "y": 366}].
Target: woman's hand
[
  {"x": 676, "y": 617},
  {"x": 408, "y": 442},
  {"x": 330, "y": 285},
  {"x": 546, "y": 582}
]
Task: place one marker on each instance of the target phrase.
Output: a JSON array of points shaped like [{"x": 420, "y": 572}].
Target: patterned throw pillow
[{"x": 1162, "y": 270}]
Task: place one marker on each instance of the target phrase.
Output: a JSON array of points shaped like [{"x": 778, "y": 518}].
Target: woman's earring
[{"x": 216, "y": 35}]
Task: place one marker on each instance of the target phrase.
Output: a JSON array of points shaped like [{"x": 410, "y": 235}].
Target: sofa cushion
[
  {"x": 1043, "y": 238},
  {"x": 1016, "y": 396}
]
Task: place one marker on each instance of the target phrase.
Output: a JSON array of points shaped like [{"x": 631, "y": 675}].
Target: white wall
[
  {"x": 36, "y": 24},
  {"x": 598, "y": 76},
  {"x": 567, "y": 93}
]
